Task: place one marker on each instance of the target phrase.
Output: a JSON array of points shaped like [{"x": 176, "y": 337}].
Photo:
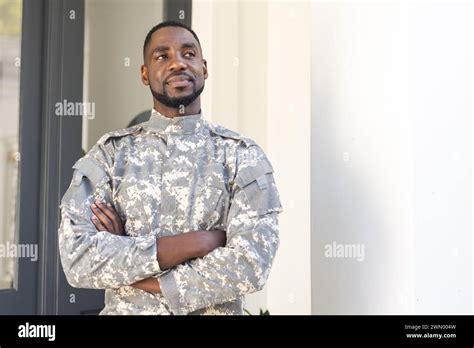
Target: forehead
[{"x": 172, "y": 36}]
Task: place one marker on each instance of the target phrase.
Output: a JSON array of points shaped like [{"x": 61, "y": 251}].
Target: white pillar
[
  {"x": 362, "y": 161},
  {"x": 288, "y": 134}
]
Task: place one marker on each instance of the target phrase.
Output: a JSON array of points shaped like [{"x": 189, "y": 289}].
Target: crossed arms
[{"x": 170, "y": 250}]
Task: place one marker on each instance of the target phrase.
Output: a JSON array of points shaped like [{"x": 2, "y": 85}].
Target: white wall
[
  {"x": 440, "y": 106},
  {"x": 391, "y": 162}
]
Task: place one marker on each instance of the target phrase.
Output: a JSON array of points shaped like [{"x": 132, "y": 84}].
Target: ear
[
  {"x": 204, "y": 68},
  {"x": 144, "y": 73}
]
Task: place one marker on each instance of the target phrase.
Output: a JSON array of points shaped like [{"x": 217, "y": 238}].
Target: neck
[{"x": 192, "y": 109}]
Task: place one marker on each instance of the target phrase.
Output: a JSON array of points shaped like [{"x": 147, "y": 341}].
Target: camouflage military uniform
[{"x": 165, "y": 177}]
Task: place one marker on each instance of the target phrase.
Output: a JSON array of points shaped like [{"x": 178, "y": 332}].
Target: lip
[
  {"x": 179, "y": 83},
  {"x": 181, "y": 80}
]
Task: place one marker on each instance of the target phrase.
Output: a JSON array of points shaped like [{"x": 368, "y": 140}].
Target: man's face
[{"x": 174, "y": 68}]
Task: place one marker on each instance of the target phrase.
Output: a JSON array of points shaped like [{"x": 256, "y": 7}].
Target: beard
[{"x": 176, "y": 102}]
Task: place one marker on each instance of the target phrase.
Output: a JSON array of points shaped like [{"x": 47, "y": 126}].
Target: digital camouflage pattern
[{"x": 164, "y": 177}]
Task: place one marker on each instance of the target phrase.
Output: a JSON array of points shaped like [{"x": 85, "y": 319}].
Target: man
[{"x": 174, "y": 215}]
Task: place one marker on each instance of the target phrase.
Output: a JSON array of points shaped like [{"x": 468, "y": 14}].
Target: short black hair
[{"x": 168, "y": 24}]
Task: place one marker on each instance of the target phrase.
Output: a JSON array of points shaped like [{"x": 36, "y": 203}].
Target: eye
[
  {"x": 189, "y": 54},
  {"x": 161, "y": 57}
]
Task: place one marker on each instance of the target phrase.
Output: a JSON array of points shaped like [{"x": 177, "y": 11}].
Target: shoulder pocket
[
  {"x": 80, "y": 188},
  {"x": 87, "y": 167},
  {"x": 258, "y": 185}
]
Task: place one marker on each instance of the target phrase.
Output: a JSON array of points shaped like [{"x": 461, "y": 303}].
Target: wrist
[{"x": 200, "y": 243}]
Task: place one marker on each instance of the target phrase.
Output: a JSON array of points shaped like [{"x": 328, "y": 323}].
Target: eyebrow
[
  {"x": 162, "y": 48},
  {"x": 189, "y": 45}
]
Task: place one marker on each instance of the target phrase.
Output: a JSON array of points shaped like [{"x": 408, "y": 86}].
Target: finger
[
  {"x": 97, "y": 224},
  {"x": 104, "y": 220},
  {"x": 110, "y": 213},
  {"x": 113, "y": 216},
  {"x": 117, "y": 217}
]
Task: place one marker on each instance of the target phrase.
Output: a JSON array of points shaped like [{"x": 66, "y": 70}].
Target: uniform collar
[{"x": 174, "y": 125}]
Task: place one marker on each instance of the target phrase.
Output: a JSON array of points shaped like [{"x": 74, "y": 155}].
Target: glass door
[{"x": 19, "y": 185}]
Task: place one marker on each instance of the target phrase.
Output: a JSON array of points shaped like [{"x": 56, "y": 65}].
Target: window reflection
[{"x": 10, "y": 45}]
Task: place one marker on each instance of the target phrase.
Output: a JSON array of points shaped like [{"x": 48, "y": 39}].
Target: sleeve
[
  {"x": 92, "y": 259},
  {"x": 243, "y": 265}
]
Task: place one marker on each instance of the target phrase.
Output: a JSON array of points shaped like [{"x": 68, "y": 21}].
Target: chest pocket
[
  {"x": 211, "y": 203},
  {"x": 259, "y": 189},
  {"x": 135, "y": 205},
  {"x": 137, "y": 193},
  {"x": 208, "y": 207}
]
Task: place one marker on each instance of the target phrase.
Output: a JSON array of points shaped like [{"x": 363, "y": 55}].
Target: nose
[{"x": 177, "y": 64}]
